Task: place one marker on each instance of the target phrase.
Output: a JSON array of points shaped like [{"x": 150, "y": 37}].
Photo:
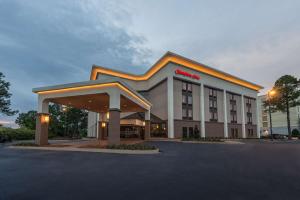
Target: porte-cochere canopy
[{"x": 112, "y": 96}]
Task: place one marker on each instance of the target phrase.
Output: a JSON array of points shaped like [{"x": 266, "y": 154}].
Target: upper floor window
[
  {"x": 187, "y": 101},
  {"x": 212, "y": 92},
  {"x": 249, "y": 110},
  {"x": 249, "y": 118},
  {"x": 186, "y": 86},
  {"x": 213, "y": 105},
  {"x": 233, "y": 115},
  {"x": 190, "y": 100}
]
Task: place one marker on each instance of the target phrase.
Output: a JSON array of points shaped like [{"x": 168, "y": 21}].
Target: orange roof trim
[
  {"x": 177, "y": 59},
  {"x": 97, "y": 86}
]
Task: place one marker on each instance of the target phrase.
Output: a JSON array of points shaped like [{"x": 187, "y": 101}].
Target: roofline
[
  {"x": 177, "y": 59},
  {"x": 90, "y": 84}
]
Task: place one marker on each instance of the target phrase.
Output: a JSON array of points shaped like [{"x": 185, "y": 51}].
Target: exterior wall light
[
  {"x": 103, "y": 124},
  {"x": 45, "y": 118},
  {"x": 144, "y": 123},
  {"x": 107, "y": 115}
]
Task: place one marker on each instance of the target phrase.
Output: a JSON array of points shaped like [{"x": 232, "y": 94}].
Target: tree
[
  {"x": 5, "y": 97},
  {"x": 71, "y": 123},
  {"x": 27, "y": 120},
  {"x": 288, "y": 93}
]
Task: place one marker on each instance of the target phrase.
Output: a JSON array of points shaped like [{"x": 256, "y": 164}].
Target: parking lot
[{"x": 254, "y": 170}]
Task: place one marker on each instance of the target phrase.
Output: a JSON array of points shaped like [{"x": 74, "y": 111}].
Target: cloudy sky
[{"x": 53, "y": 41}]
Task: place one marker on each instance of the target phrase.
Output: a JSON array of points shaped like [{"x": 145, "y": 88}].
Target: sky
[{"x": 52, "y": 41}]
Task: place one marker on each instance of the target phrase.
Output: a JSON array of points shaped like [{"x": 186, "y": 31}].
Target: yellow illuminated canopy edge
[{"x": 177, "y": 59}]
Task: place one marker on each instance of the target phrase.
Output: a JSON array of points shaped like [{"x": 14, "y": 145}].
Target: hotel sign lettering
[{"x": 187, "y": 74}]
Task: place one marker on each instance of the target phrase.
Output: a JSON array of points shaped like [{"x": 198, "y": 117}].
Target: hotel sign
[{"x": 187, "y": 74}]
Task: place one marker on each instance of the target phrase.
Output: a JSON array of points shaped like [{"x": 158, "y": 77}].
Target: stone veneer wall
[
  {"x": 214, "y": 129},
  {"x": 178, "y": 124}
]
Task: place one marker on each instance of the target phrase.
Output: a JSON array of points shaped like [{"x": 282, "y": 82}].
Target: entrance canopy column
[
  {"x": 114, "y": 117},
  {"x": 147, "y": 124},
  {"x": 42, "y": 122}
]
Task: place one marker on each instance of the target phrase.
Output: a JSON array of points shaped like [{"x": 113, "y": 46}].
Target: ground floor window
[
  {"x": 158, "y": 130},
  {"x": 131, "y": 131},
  {"x": 184, "y": 132},
  {"x": 250, "y": 132},
  {"x": 190, "y": 132},
  {"x": 234, "y": 133}
]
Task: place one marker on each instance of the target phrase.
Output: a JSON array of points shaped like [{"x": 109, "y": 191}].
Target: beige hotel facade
[{"x": 173, "y": 99}]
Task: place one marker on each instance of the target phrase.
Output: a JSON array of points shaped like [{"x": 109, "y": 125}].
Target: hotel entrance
[{"x": 158, "y": 130}]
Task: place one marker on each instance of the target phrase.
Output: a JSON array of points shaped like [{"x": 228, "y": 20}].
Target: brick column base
[
  {"x": 41, "y": 130},
  {"x": 114, "y": 127},
  {"x": 147, "y": 129}
]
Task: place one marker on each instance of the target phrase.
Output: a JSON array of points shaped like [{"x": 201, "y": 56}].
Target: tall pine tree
[{"x": 5, "y": 97}]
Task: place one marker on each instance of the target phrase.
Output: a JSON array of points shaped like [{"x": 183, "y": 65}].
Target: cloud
[
  {"x": 263, "y": 60},
  {"x": 53, "y": 42}
]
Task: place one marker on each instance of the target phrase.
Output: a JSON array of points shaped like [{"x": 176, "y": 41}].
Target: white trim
[
  {"x": 243, "y": 117},
  {"x": 170, "y": 107},
  {"x": 202, "y": 111},
  {"x": 257, "y": 117},
  {"x": 225, "y": 115}
]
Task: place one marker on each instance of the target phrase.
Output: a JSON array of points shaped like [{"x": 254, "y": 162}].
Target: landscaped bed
[
  {"x": 211, "y": 139},
  {"x": 120, "y": 149},
  {"x": 131, "y": 147},
  {"x": 26, "y": 144}
]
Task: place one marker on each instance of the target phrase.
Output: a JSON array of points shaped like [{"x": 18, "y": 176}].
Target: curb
[
  {"x": 208, "y": 142},
  {"x": 115, "y": 151}
]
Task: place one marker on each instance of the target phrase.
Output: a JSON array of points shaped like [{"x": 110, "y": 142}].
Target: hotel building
[{"x": 175, "y": 98}]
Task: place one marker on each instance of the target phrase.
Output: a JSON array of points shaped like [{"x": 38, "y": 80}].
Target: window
[
  {"x": 249, "y": 111},
  {"x": 233, "y": 106},
  {"x": 249, "y": 118},
  {"x": 191, "y": 132},
  {"x": 190, "y": 113},
  {"x": 184, "y": 113},
  {"x": 250, "y": 132},
  {"x": 213, "y": 106},
  {"x": 190, "y": 100},
  {"x": 233, "y": 118},
  {"x": 189, "y": 86},
  {"x": 184, "y": 86},
  {"x": 187, "y": 101},
  {"x": 184, "y": 132},
  {"x": 183, "y": 98},
  {"x": 234, "y": 133},
  {"x": 249, "y": 108},
  {"x": 233, "y": 115},
  {"x": 212, "y": 92},
  {"x": 213, "y": 116}
]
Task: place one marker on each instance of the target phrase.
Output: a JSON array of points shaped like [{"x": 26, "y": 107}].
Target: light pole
[{"x": 270, "y": 94}]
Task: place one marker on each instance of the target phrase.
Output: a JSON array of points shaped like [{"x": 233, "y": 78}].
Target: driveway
[{"x": 255, "y": 170}]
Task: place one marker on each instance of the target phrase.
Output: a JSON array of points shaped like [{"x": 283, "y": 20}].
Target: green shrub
[
  {"x": 295, "y": 133},
  {"x": 207, "y": 139},
  {"x": 9, "y": 134},
  {"x": 26, "y": 144},
  {"x": 131, "y": 147}
]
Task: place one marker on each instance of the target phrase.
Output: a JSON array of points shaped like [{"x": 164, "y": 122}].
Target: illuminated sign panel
[{"x": 187, "y": 74}]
